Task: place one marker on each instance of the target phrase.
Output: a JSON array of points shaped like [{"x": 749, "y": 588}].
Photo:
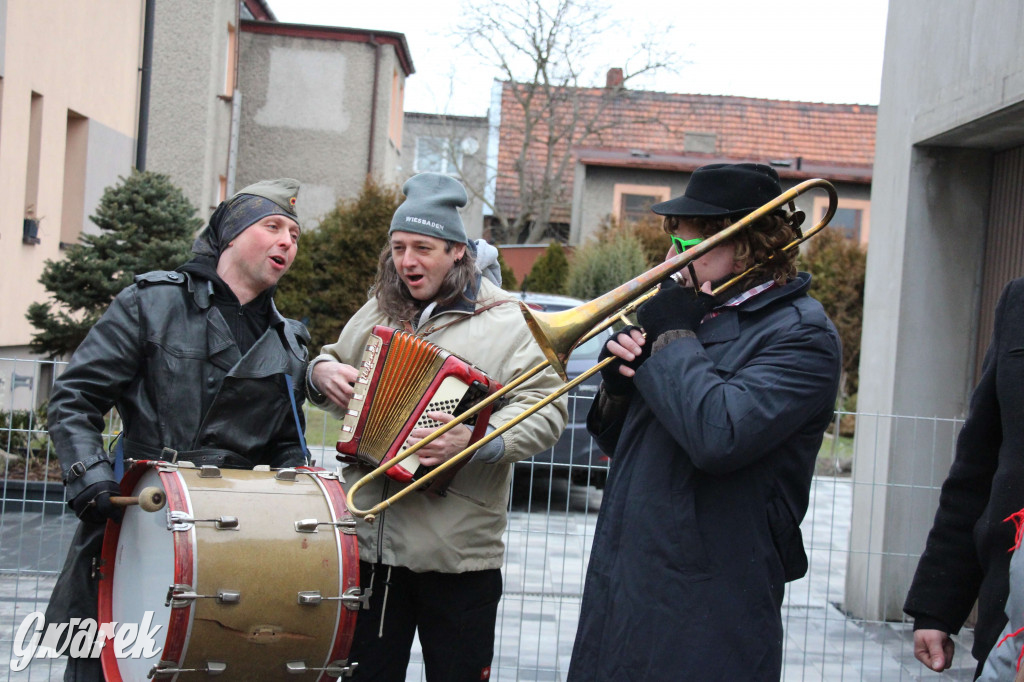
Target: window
[
  {"x": 436, "y": 155},
  {"x": 631, "y": 203},
  {"x": 848, "y": 220},
  {"x": 397, "y": 106},
  {"x": 33, "y": 215},
  {"x": 852, "y": 218},
  {"x": 231, "y": 62},
  {"x": 76, "y": 143},
  {"x": 637, "y": 206}
]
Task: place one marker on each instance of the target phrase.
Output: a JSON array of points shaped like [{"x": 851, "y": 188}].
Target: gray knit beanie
[{"x": 431, "y": 207}]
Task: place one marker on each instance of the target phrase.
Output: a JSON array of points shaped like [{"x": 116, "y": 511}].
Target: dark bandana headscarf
[{"x": 230, "y": 219}]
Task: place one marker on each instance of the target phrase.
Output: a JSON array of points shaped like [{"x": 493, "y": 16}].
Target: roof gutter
[{"x": 373, "y": 104}]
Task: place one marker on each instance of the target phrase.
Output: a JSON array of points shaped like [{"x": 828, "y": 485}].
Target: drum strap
[
  {"x": 213, "y": 456},
  {"x": 119, "y": 456},
  {"x": 295, "y": 414}
]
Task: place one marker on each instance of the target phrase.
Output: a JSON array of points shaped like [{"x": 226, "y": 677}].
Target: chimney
[{"x": 614, "y": 78}]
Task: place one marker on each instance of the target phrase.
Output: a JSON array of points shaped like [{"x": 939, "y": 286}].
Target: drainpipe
[
  {"x": 147, "y": 76},
  {"x": 373, "y": 104}
]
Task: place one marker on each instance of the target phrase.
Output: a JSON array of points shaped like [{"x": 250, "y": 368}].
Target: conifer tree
[
  {"x": 602, "y": 265},
  {"x": 549, "y": 272},
  {"x": 838, "y": 266},
  {"x": 145, "y": 223}
]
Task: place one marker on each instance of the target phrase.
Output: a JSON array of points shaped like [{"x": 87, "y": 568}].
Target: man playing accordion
[{"x": 431, "y": 563}]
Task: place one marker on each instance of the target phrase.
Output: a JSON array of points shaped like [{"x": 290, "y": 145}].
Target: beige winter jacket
[{"x": 461, "y": 531}]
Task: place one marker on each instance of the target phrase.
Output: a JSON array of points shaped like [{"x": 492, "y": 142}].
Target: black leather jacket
[{"x": 164, "y": 356}]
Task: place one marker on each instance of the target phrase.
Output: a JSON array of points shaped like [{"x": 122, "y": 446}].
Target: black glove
[
  {"x": 673, "y": 307},
  {"x": 615, "y": 383},
  {"x": 93, "y": 504}
]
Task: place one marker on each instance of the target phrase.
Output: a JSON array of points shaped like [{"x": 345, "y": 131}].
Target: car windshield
[{"x": 590, "y": 349}]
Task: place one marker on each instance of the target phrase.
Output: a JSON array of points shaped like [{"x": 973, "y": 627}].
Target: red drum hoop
[{"x": 253, "y": 573}]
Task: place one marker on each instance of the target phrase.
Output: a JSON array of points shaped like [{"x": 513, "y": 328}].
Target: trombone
[{"x": 558, "y": 334}]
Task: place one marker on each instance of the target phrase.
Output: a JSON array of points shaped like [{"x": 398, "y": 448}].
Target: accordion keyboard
[{"x": 402, "y": 378}]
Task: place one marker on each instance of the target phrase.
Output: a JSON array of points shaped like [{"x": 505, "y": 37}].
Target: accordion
[{"x": 401, "y": 378}]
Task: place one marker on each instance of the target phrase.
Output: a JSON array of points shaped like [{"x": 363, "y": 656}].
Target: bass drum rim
[{"x": 179, "y": 628}]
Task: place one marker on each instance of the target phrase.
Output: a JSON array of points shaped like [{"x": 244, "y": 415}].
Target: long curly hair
[
  {"x": 760, "y": 242},
  {"x": 393, "y": 296}
]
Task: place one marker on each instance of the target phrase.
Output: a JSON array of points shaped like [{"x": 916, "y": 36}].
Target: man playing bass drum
[
  {"x": 715, "y": 415},
  {"x": 434, "y": 563},
  {"x": 198, "y": 363}
]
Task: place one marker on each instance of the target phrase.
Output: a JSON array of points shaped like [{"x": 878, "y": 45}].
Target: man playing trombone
[
  {"x": 434, "y": 563},
  {"x": 714, "y": 413}
]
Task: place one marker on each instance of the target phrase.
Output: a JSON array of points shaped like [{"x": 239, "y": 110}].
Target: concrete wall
[
  {"x": 457, "y": 130},
  {"x": 78, "y": 57},
  {"x": 190, "y": 109},
  {"x": 306, "y": 114},
  {"x": 594, "y": 192},
  {"x": 952, "y": 94}
]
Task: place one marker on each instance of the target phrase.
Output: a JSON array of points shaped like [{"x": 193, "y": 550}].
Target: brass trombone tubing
[
  {"x": 570, "y": 323},
  {"x": 609, "y": 307}
]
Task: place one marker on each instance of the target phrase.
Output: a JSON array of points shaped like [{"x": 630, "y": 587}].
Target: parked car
[{"x": 575, "y": 454}]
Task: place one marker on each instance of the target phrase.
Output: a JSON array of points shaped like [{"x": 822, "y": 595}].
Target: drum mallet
[{"x": 150, "y": 499}]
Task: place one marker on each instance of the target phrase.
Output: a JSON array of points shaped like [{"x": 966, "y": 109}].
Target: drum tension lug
[
  {"x": 179, "y": 596},
  {"x": 180, "y": 521},
  {"x": 355, "y": 599},
  {"x": 97, "y": 564},
  {"x": 166, "y": 669},
  {"x": 347, "y": 526},
  {"x": 335, "y": 669},
  {"x": 352, "y": 599},
  {"x": 209, "y": 471},
  {"x": 286, "y": 475}
]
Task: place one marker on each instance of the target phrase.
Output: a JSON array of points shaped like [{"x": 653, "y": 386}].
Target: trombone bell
[{"x": 557, "y": 333}]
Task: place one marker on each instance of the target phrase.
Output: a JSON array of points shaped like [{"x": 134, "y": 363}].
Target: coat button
[
  {"x": 210, "y": 381},
  {"x": 174, "y": 277}
]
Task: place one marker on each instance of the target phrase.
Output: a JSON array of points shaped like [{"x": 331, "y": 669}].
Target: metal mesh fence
[{"x": 552, "y": 516}]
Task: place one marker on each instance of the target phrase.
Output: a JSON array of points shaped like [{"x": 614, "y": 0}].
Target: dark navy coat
[
  {"x": 967, "y": 556},
  {"x": 699, "y": 524},
  {"x": 164, "y": 356}
]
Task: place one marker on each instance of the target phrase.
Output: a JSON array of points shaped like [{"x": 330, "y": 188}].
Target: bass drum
[{"x": 253, "y": 574}]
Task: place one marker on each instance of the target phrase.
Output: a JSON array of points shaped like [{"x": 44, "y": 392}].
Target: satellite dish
[{"x": 469, "y": 146}]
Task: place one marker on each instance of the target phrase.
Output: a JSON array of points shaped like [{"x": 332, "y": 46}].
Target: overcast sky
[{"x": 807, "y": 50}]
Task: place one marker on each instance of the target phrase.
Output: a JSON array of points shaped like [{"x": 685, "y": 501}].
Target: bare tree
[{"x": 544, "y": 51}]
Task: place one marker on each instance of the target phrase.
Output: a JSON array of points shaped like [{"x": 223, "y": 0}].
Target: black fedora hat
[{"x": 724, "y": 190}]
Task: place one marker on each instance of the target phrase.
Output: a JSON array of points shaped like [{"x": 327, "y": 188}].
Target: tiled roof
[{"x": 645, "y": 129}]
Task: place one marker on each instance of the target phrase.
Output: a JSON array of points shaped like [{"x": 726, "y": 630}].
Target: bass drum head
[
  {"x": 265, "y": 565},
  {"x": 140, "y": 575}
]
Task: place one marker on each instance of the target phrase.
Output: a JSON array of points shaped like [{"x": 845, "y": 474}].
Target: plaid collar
[{"x": 740, "y": 298}]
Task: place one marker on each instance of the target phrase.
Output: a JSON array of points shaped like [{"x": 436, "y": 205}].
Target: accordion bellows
[{"x": 401, "y": 378}]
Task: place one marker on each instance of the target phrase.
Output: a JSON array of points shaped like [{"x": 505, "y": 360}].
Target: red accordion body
[{"x": 401, "y": 378}]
